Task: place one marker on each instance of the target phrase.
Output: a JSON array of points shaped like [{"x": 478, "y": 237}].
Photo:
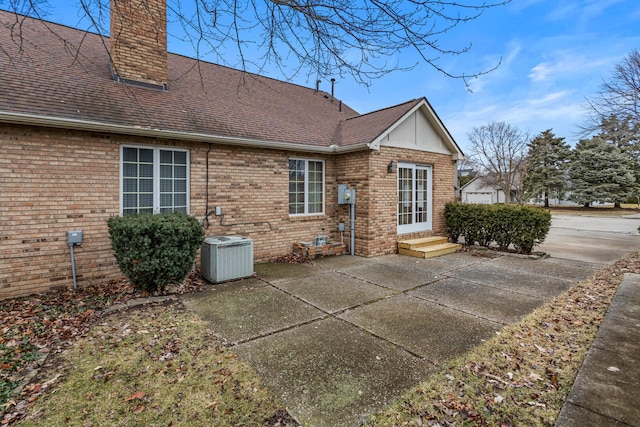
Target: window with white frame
[
  {"x": 414, "y": 198},
  {"x": 306, "y": 187},
  {"x": 153, "y": 180}
]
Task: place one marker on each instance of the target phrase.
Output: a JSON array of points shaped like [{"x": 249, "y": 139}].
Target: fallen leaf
[
  {"x": 534, "y": 377},
  {"x": 138, "y": 409},
  {"x": 613, "y": 369},
  {"x": 136, "y": 395}
]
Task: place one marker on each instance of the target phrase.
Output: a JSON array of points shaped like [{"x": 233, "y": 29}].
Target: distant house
[
  {"x": 92, "y": 127},
  {"x": 477, "y": 191}
]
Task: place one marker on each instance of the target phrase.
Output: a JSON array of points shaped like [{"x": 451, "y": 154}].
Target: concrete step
[
  {"x": 430, "y": 251},
  {"x": 419, "y": 243}
]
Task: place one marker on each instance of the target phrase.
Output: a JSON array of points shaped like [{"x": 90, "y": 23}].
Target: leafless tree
[
  {"x": 619, "y": 95},
  {"x": 498, "y": 152},
  {"x": 326, "y": 38}
]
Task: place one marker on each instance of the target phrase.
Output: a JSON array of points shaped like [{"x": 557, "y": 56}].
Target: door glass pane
[
  {"x": 405, "y": 192},
  {"x": 421, "y": 195}
]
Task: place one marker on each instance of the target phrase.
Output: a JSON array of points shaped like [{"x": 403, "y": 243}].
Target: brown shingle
[{"x": 52, "y": 71}]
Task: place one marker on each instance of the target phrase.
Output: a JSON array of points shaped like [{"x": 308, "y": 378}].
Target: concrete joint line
[{"x": 288, "y": 328}]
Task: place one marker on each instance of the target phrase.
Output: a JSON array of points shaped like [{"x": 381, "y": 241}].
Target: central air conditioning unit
[{"x": 226, "y": 258}]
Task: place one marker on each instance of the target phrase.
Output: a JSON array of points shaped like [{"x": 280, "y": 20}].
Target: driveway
[
  {"x": 597, "y": 239},
  {"x": 339, "y": 339}
]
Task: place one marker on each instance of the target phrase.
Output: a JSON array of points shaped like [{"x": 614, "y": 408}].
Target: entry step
[{"x": 427, "y": 247}]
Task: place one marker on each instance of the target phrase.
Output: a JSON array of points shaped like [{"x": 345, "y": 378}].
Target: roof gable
[{"x": 420, "y": 128}]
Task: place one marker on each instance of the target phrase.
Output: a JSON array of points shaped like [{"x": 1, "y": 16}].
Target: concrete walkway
[
  {"x": 340, "y": 339},
  {"x": 607, "y": 389}
]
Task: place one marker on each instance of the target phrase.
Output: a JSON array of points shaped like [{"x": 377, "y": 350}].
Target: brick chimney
[{"x": 139, "y": 42}]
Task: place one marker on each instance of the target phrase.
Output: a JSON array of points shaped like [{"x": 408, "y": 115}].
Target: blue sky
[{"x": 554, "y": 55}]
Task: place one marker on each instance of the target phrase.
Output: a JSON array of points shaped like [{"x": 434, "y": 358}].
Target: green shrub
[
  {"x": 153, "y": 251},
  {"x": 520, "y": 226},
  {"x": 531, "y": 228}
]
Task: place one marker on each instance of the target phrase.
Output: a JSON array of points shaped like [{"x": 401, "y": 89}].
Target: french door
[{"x": 414, "y": 198}]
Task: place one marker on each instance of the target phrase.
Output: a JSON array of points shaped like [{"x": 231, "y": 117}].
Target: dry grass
[
  {"x": 158, "y": 365},
  {"x": 523, "y": 375},
  {"x": 626, "y": 209}
]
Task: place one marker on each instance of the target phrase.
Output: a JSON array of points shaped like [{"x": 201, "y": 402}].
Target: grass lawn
[
  {"x": 625, "y": 209},
  {"x": 160, "y": 365}
]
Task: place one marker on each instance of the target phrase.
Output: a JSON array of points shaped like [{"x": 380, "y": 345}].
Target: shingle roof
[{"x": 52, "y": 71}]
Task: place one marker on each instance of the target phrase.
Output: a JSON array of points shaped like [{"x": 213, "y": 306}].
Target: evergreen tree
[
  {"x": 546, "y": 167},
  {"x": 625, "y": 134},
  {"x": 599, "y": 172}
]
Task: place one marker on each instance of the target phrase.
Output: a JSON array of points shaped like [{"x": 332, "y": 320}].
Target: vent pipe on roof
[
  {"x": 333, "y": 82},
  {"x": 318, "y": 85}
]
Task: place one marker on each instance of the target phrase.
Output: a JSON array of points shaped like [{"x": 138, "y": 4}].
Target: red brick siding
[
  {"x": 376, "y": 207},
  {"x": 53, "y": 181},
  {"x": 139, "y": 40}
]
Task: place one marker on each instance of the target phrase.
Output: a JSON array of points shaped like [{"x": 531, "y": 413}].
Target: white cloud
[{"x": 540, "y": 72}]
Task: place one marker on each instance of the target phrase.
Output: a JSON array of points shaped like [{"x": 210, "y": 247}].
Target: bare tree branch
[
  {"x": 619, "y": 94},
  {"x": 322, "y": 38},
  {"x": 498, "y": 152}
]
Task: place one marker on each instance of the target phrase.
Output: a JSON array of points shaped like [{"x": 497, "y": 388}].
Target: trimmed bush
[
  {"x": 505, "y": 225},
  {"x": 153, "y": 251}
]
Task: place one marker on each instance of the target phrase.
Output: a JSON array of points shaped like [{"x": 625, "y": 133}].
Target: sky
[{"x": 553, "y": 55}]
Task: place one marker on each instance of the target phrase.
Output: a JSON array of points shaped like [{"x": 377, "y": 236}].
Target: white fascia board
[{"x": 84, "y": 125}]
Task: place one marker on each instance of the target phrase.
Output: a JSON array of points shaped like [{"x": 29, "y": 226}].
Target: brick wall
[
  {"x": 376, "y": 228},
  {"x": 139, "y": 40},
  {"x": 53, "y": 181}
]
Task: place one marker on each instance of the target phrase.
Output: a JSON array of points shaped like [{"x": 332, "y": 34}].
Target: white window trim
[
  {"x": 306, "y": 186},
  {"x": 156, "y": 174},
  {"x": 420, "y": 226}
]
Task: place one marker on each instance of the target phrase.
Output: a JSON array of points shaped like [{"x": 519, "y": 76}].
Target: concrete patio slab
[
  {"x": 437, "y": 265},
  {"x": 403, "y": 316},
  {"x": 563, "y": 269},
  {"x": 330, "y": 373},
  {"x": 430, "y": 330},
  {"x": 241, "y": 313},
  {"x": 391, "y": 276},
  {"x": 273, "y": 271},
  {"x": 337, "y": 263},
  {"x": 536, "y": 285},
  {"x": 488, "y": 302},
  {"x": 333, "y": 291}
]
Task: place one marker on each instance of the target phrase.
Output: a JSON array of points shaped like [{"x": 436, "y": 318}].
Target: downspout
[
  {"x": 352, "y": 220},
  {"x": 205, "y": 221}
]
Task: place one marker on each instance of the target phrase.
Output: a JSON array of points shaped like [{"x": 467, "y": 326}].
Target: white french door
[{"x": 414, "y": 198}]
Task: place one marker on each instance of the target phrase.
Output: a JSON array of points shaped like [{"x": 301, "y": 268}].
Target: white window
[
  {"x": 306, "y": 187},
  {"x": 414, "y": 198},
  {"x": 153, "y": 180}
]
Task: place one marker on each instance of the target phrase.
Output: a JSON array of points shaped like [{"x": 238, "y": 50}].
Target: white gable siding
[{"x": 415, "y": 132}]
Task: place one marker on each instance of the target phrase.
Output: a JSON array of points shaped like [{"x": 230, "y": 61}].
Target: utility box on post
[
  {"x": 346, "y": 196},
  {"x": 74, "y": 237}
]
